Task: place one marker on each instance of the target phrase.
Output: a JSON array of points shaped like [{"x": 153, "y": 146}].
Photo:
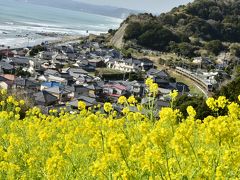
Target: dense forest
[{"x": 203, "y": 24}]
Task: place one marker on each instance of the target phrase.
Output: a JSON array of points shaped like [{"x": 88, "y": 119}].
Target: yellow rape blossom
[
  {"x": 81, "y": 105},
  {"x": 153, "y": 88},
  {"x": 122, "y": 100},
  {"x": 125, "y": 110},
  {"x": 108, "y": 107},
  {"x": 3, "y": 92},
  {"x": 191, "y": 112},
  {"x": 127, "y": 145},
  {"x": 212, "y": 104},
  {"x": 174, "y": 94},
  {"x": 149, "y": 81},
  {"x": 22, "y": 102},
  {"x": 132, "y": 100}
]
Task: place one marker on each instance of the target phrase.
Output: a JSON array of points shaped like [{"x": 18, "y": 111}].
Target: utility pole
[
  {"x": 183, "y": 89},
  {"x": 8, "y": 51}
]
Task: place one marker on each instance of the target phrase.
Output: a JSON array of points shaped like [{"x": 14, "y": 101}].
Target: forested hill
[{"x": 188, "y": 27}]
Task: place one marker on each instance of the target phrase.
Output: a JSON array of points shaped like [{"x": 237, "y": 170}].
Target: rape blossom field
[{"x": 91, "y": 144}]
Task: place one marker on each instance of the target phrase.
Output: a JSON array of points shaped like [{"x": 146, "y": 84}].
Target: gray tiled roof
[
  {"x": 20, "y": 60},
  {"x": 57, "y": 90},
  {"x": 5, "y": 65},
  {"x": 155, "y": 72},
  {"x": 26, "y": 82},
  {"x": 45, "y": 97},
  {"x": 51, "y": 72},
  {"x": 77, "y": 71},
  {"x": 132, "y": 61},
  {"x": 87, "y": 99}
]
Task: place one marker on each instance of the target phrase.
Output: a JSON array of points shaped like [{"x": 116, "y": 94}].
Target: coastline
[{"x": 24, "y": 42}]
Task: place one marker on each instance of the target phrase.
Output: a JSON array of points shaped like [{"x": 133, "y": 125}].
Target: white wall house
[{"x": 129, "y": 65}]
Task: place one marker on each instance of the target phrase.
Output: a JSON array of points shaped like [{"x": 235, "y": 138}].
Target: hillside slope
[
  {"x": 117, "y": 40},
  {"x": 185, "y": 30}
]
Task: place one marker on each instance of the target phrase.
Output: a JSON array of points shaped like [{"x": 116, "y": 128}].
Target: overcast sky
[{"x": 154, "y": 6}]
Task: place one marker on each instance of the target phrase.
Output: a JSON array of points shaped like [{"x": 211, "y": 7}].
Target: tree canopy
[{"x": 208, "y": 20}]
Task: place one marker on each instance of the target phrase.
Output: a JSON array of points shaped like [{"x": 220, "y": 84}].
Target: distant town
[{"x": 53, "y": 76}]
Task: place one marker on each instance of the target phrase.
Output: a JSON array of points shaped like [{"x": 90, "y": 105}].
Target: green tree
[
  {"x": 214, "y": 46},
  {"x": 198, "y": 103},
  {"x": 133, "y": 31},
  {"x": 158, "y": 38},
  {"x": 185, "y": 49},
  {"x": 231, "y": 90},
  {"x": 36, "y": 49},
  {"x": 235, "y": 50}
]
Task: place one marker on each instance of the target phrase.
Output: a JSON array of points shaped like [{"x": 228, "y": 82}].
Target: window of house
[{"x": 114, "y": 91}]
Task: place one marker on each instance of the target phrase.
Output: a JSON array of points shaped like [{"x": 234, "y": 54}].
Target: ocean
[{"x": 21, "y": 23}]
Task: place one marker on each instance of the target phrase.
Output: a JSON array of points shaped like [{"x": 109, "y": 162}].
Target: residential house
[
  {"x": 7, "y": 81},
  {"x": 68, "y": 49},
  {"x": 4, "y": 84},
  {"x": 130, "y": 65},
  {"x": 159, "y": 76},
  {"x": 146, "y": 64},
  {"x": 52, "y": 78},
  {"x": 75, "y": 71},
  {"x": 68, "y": 77},
  {"x": 114, "y": 54},
  {"x": 34, "y": 66},
  {"x": 6, "y": 67},
  {"x": 94, "y": 90},
  {"x": 20, "y": 62},
  {"x": 80, "y": 90},
  {"x": 52, "y": 72},
  {"x": 180, "y": 87},
  {"x": 46, "y": 85},
  {"x": 47, "y": 65},
  {"x": 83, "y": 79},
  {"x": 97, "y": 63},
  {"x": 26, "y": 83},
  {"x": 45, "y": 98},
  {"x": 137, "y": 88},
  {"x": 114, "y": 90},
  {"x": 61, "y": 57},
  {"x": 85, "y": 65},
  {"x": 6, "y": 53},
  {"x": 48, "y": 55},
  {"x": 60, "y": 92},
  {"x": 41, "y": 78},
  {"x": 89, "y": 101}
]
